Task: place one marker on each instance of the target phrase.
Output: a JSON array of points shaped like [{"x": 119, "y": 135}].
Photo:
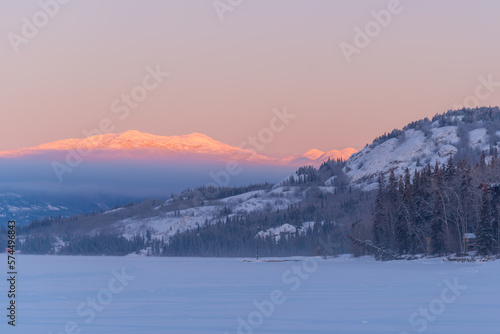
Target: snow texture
[
  {"x": 414, "y": 151},
  {"x": 213, "y": 296},
  {"x": 164, "y": 225}
]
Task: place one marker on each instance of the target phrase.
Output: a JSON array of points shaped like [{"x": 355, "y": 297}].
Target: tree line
[{"x": 439, "y": 209}]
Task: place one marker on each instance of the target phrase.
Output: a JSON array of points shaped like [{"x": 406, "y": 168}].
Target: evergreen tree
[
  {"x": 403, "y": 220},
  {"x": 438, "y": 215},
  {"x": 380, "y": 230},
  {"x": 392, "y": 208},
  {"x": 495, "y": 201},
  {"x": 485, "y": 239}
]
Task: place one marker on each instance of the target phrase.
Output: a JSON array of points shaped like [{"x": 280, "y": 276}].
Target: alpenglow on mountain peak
[
  {"x": 134, "y": 140},
  {"x": 134, "y": 143}
]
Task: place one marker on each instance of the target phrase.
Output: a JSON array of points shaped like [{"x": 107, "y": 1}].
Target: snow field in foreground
[{"x": 59, "y": 294}]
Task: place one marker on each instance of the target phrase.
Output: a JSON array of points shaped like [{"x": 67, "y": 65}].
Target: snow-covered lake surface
[{"x": 58, "y": 294}]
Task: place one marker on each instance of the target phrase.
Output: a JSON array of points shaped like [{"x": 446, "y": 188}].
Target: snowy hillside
[
  {"x": 285, "y": 230},
  {"x": 414, "y": 148},
  {"x": 162, "y": 221},
  {"x": 316, "y": 157}
]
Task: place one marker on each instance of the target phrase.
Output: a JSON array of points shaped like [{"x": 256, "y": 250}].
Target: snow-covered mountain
[
  {"x": 344, "y": 154},
  {"x": 122, "y": 167},
  {"x": 136, "y": 144},
  {"x": 316, "y": 157},
  {"x": 459, "y": 134}
]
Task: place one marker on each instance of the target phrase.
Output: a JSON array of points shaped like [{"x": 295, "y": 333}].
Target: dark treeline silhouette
[
  {"x": 101, "y": 245},
  {"x": 239, "y": 237},
  {"x": 36, "y": 244},
  {"x": 211, "y": 192},
  {"x": 434, "y": 211}
]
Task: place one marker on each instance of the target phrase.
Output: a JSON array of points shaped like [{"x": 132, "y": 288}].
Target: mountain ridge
[
  {"x": 195, "y": 143},
  {"x": 331, "y": 202},
  {"x": 460, "y": 134}
]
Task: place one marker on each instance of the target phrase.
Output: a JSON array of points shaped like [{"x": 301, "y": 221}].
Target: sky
[{"x": 346, "y": 73}]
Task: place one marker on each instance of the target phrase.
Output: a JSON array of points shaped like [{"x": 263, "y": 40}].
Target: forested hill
[
  {"x": 433, "y": 210},
  {"x": 461, "y": 134}
]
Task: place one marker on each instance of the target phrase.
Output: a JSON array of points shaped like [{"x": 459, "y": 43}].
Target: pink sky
[{"x": 227, "y": 76}]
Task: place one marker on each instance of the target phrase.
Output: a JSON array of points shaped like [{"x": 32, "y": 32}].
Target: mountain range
[
  {"x": 73, "y": 176},
  {"x": 310, "y": 206},
  {"x": 136, "y": 144}
]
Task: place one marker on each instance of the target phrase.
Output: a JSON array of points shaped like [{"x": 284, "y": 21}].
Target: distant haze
[
  {"x": 140, "y": 165},
  {"x": 126, "y": 178}
]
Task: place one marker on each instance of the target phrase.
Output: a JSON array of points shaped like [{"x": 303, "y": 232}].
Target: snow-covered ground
[
  {"x": 58, "y": 294},
  {"x": 285, "y": 229},
  {"x": 166, "y": 224},
  {"x": 415, "y": 151}
]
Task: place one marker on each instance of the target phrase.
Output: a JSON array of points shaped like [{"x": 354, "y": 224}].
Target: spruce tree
[
  {"x": 495, "y": 201},
  {"x": 438, "y": 215},
  {"x": 403, "y": 219},
  {"x": 380, "y": 231},
  {"x": 392, "y": 209},
  {"x": 485, "y": 239}
]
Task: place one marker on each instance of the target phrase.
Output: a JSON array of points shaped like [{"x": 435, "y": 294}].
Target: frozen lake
[{"x": 122, "y": 295}]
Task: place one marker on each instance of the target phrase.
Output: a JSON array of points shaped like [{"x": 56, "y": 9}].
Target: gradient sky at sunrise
[{"x": 227, "y": 76}]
